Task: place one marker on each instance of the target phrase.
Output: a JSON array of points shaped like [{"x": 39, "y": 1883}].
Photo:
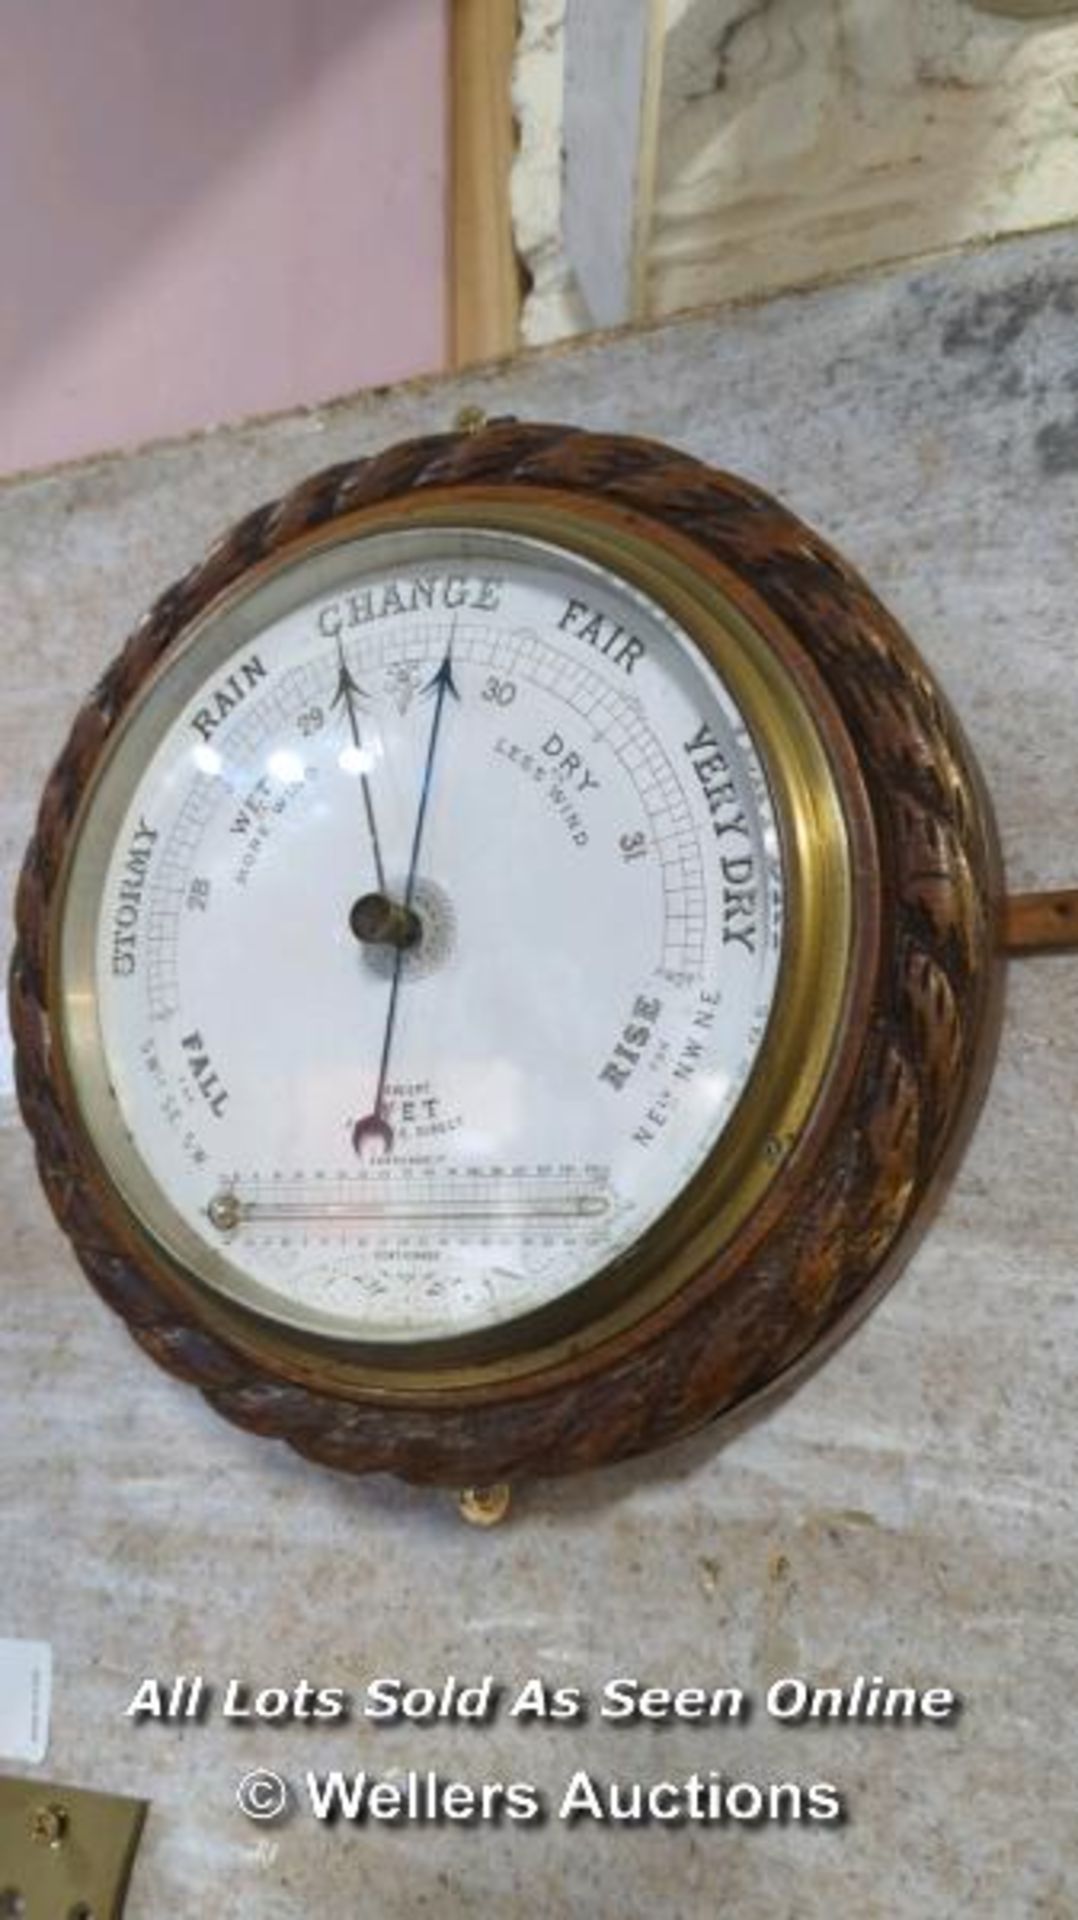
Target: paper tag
[{"x": 25, "y": 1699}]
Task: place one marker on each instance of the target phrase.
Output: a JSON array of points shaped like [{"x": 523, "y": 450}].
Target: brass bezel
[{"x": 832, "y": 916}]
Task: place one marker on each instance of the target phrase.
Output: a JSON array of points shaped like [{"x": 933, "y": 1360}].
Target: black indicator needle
[
  {"x": 347, "y": 696},
  {"x": 374, "y": 1125}
]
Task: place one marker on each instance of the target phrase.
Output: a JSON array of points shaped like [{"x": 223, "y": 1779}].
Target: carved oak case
[{"x": 881, "y": 1029}]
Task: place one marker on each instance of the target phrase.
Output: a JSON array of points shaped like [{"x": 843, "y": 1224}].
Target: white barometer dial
[{"x": 424, "y": 933}]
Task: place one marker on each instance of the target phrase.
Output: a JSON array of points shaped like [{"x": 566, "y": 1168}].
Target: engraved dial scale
[
  {"x": 508, "y": 952},
  {"x": 394, "y": 1071}
]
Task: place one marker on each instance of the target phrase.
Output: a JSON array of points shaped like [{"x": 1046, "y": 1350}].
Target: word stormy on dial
[{"x": 130, "y": 895}]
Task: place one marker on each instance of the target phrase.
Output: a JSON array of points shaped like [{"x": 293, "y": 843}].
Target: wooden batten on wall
[{"x": 484, "y": 273}]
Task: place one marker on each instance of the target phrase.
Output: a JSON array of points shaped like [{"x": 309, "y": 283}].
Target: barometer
[{"x": 508, "y": 953}]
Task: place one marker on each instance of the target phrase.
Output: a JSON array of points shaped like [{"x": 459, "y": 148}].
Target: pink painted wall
[{"x": 211, "y": 208}]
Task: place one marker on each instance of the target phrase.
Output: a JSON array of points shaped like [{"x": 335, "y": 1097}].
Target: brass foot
[
  {"x": 484, "y": 1506},
  {"x": 470, "y": 420}
]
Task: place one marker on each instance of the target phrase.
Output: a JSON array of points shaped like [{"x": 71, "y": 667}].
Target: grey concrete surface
[{"x": 910, "y": 1512}]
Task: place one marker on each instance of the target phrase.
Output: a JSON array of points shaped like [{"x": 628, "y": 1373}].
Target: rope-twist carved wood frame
[{"x": 927, "y": 1043}]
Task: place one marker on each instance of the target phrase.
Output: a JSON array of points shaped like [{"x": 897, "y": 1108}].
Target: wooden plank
[
  {"x": 484, "y": 274},
  {"x": 613, "y": 73},
  {"x": 1041, "y": 922}
]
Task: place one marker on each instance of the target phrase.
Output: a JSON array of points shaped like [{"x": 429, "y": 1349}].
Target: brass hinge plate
[{"x": 65, "y": 1853}]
